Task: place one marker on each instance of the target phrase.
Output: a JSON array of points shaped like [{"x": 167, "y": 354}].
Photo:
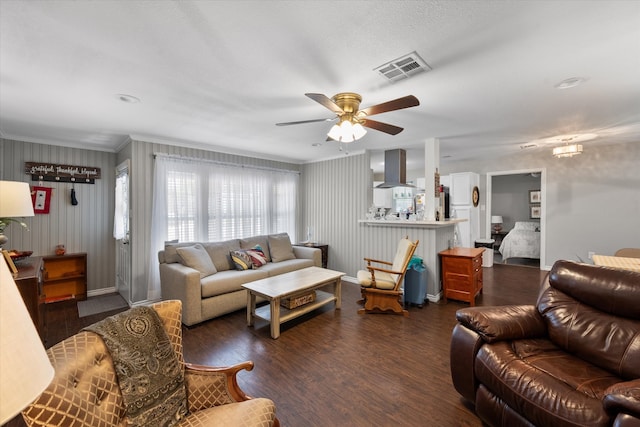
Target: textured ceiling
[{"x": 219, "y": 74}]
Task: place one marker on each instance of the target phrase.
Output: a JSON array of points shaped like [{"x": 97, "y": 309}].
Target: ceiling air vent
[{"x": 403, "y": 67}]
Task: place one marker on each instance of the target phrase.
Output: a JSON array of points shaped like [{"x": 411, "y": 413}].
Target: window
[{"x": 212, "y": 202}]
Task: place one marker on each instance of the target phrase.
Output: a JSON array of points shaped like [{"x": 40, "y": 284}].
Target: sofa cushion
[
  {"x": 280, "y": 247},
  {"x": 225, "y": 282},
  {"x": 197, "y": 258},
  {"x": 275, "y": 268},
  {"x": 251, "y": 242},
  {"x": 241, "y": 260},
  {"x": 171, "y": 253},
  {"x": 220, "y": 253},
  {"x": 547, "y": 385}
]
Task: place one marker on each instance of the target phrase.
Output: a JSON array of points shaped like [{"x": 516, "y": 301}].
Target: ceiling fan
[{"x": 352, "y": 120}]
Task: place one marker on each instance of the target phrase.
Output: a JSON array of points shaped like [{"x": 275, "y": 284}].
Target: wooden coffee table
[{"x": 274, "y": 289}]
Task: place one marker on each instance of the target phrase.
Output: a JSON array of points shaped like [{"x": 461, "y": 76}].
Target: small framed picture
[
  {"x": 535, "y": 212},
  {"x": 535, "y": 196},
  {"x": 41, "y": 198},
  {"x": 9, "y": 261}
]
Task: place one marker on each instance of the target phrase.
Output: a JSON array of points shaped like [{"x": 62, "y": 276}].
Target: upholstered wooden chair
[
  {"x": 381, "y": 286},
  {"x": 628, "y": 252},
  {"x": 85, "y": 390}
]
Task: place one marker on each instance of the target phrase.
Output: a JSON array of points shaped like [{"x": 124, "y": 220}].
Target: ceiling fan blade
[
  {"x": 305, "y": 121},
  {"x": 325, "y": 102},
  {"x": 396, "y": 104},
  {"x": 382, "y": 127}
]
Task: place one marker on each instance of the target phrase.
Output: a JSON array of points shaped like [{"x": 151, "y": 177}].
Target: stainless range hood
[{"x": 395, "y": 169}]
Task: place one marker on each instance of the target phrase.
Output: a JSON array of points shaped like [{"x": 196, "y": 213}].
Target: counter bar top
[{"x": 410, "y": 223}]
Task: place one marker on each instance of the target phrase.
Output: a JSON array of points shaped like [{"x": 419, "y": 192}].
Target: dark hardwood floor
[{"x": 338, "y": 368}]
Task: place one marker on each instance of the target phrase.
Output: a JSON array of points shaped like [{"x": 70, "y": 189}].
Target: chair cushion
[
  {"x": 259, "y": 412},
  {"x": 383, "y": 280},
  {"x": 197, "y": 258},
  {"x": 547, "y": 385},
  {"x": 400, "y": 259}
]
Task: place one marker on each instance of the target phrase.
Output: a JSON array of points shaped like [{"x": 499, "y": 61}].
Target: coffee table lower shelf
[{"x": 322, "y": 298}]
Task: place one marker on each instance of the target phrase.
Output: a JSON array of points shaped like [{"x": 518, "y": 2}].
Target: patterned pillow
[
  {"x": 241, "y": 260},
  {"x": 258, "y": 258}
]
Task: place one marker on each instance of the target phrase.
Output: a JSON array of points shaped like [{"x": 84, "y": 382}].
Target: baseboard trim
[{"x": 103, "y": 291}]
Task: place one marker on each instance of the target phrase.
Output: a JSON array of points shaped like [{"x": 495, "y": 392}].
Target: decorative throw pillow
[
  {"x": 280, "y": 247},
  {"x": 241, "y": 260},
  {"x": 197, "y": 258},
  {"x": 258, "y": 258}
]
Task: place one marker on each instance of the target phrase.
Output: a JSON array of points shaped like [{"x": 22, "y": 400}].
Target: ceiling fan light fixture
[
  {"x": 335, "y": 133},
  {"x": 567, "y": 150},
  {"x": 359, "y": 131}
]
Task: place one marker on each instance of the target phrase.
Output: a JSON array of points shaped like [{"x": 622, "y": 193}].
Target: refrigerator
[{"x": 461, "y": 187}]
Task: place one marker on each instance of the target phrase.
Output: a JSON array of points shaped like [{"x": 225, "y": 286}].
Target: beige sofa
[{"x": 210, "y": 286}]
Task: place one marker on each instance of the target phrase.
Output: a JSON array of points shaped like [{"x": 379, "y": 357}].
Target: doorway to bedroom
[{"x": 516, "y": 202}]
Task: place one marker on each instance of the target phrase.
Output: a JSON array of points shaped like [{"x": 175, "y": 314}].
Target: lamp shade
[
  {"x": 496, "y": 219},
  {"x": 15, "y": 199},
  {"x": 25, "y": 370}
]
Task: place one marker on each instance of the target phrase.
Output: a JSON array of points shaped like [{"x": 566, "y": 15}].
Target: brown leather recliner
[{"x": 573, "y": 359}]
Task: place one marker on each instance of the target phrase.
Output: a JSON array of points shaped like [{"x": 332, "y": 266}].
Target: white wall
[
  {"x": 593, "y": 200},
  {"x": 87, "y": 227}
]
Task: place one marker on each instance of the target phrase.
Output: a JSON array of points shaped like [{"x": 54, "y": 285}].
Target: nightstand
[{"x": 498, "y": 236}]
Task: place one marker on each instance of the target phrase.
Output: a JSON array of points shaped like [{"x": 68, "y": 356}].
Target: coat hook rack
[{"x": 62, "y": 173}]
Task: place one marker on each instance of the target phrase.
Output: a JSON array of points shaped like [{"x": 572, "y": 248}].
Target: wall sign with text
[{"x": 61, "y": 173}]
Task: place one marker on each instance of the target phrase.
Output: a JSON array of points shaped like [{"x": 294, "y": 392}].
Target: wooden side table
[
  {"x": 29, "y": 282},
  {"x": 498, "y": 236},
  {"x": 323, "y": 248},
  {"x": 462, "y": 273}
]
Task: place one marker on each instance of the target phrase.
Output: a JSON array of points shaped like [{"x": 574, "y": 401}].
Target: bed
[{"x": 523, "y": 241}]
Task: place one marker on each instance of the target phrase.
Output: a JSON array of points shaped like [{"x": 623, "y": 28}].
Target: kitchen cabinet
[
  {"x": 382, "y": 197},
  {"x": 462, "y": 273}
]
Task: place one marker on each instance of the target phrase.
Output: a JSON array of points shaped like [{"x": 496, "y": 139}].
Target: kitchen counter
[
  {"x": 410, "y": 223},
  {"x": 381, "y": 238}
]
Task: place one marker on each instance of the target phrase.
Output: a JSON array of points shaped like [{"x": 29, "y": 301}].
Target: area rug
[{"x": 100, "y": 304}]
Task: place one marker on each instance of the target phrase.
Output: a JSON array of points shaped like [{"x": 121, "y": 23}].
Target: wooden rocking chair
[{"x": 380, "y": 286}]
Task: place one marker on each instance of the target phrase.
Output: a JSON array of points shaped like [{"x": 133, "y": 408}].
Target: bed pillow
[
  {"x": 197, "y": 258},
  {"x": 523, "y": 225},
  {"x": 280, "y": 247}
]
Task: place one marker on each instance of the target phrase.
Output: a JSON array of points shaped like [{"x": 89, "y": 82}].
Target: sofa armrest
[
  {"x": 306, "y": 252},
  {"x": 180, "y": 282},
  {"x": 506, "y": 322},
  {"x": 209, "y": 386},
  {"x": 623, "y": 397}
]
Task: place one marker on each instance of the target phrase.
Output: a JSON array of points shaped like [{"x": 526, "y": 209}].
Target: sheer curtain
[{"x": 197, "y": 200}]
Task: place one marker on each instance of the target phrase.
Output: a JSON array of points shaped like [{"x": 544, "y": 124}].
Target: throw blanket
[{"x": 150, "y": 376}]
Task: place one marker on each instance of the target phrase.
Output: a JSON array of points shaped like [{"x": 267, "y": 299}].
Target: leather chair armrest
[
  {"x": 623, "y": 397},
  {"x": 209, "y": 386},
  {"x": 501, "y": 323},
  {"x": 465, "y": 344}
]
